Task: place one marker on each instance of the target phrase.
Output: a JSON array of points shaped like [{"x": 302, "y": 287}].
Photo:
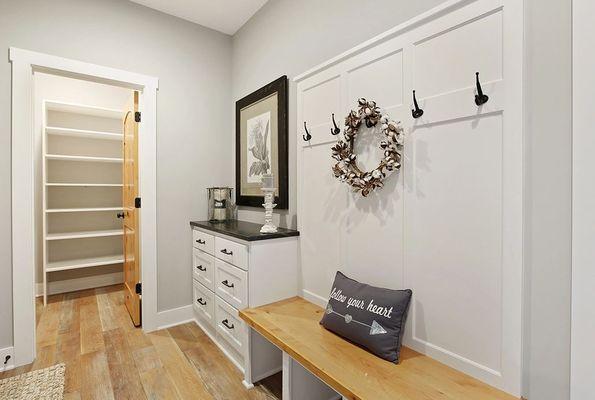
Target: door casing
[{"x": 24, "y": 64}]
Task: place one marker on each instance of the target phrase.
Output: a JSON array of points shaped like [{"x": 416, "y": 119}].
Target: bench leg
[{"x": 299, "y": 384}]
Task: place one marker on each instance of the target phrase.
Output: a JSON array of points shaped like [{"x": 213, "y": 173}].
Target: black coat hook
[
  {"x": 335, "y": 130},
  {"x": 418, "y": 112},
  {"x": 307, "y": 136},
  {"x": 480, "y": 98}
]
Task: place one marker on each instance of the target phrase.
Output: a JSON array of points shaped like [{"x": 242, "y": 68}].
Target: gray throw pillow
[{"x": 369, "y": 316}]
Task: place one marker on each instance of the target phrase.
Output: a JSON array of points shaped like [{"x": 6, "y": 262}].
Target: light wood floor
[{"x": 106, "y": 357}]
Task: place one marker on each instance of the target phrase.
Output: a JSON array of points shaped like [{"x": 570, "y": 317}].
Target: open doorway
[
  {"x": 86, "y": 173},
  {"x": 82, "y": 160}
]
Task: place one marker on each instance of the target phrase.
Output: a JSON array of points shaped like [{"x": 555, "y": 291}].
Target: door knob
[{"x": 120, "y": 215}]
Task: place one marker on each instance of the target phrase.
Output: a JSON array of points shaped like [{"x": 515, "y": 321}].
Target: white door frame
[{"x": 24, "y": 64}]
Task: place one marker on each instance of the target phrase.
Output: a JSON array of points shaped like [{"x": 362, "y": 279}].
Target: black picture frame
[{"x": 278, "y": 86}]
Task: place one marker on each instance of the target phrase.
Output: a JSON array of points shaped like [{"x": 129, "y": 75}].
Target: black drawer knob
[
  {"x": 226, "y": 283},
  {"x": 201, "y": 268},
  {"x": 200, "y": 241},
  {"x": 201, "y": 301},
  {"x": 226, "y": 252},
  {"x": 227, "y": 325}
]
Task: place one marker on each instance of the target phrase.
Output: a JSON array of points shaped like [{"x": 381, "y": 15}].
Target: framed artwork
[{"x": 261, "y": 144}]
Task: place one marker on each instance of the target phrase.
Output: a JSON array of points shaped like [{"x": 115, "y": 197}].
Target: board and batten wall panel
[
  {"x": 449, "y": 224},
  {"x": 583, "y": 221}
]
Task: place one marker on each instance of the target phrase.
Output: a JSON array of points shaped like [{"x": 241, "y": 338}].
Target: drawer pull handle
[
  {"x": 226, "y": 323},
  {"x": 228, "y": 253},
  {"x": 201, "y": 268},
  {"x": 226, "y": 283},
  {"x": 201, "y": 301},
  {"x": 200, "y": 241}
]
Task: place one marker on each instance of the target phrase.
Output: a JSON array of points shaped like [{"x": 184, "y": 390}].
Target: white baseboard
[
  {"x": 88, "y": 282},
  {"x": 175, "y": 316},
  {"x": 314, "y": 298},
  {"x": 7, "y": 351}
]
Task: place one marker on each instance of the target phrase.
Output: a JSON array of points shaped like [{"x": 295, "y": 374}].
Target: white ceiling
[{"x": 225, "y": 16}]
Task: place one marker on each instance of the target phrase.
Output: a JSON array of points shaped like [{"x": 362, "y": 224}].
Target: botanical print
[{"x": 258, "y": 157}]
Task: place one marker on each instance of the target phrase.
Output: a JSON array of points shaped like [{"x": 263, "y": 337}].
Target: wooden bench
[{"x": 293, "y": 326}]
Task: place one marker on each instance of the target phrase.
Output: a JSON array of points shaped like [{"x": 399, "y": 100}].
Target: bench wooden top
[{"x": 293, "y": 326}]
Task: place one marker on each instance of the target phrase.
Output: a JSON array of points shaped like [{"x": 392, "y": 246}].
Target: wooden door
[{"x": 131, "y": 211}]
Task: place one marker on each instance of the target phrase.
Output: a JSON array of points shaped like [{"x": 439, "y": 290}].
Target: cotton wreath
[{"x": 346, "y": 168}]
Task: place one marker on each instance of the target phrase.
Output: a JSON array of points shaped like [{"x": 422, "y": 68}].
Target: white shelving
[
  {"x": 66, "y": 184},
  {"x": 83, "y": 109},
  {"x": 76, "y": 234},
  {"x": 83, "y": 234},
  {"x": 84, "y": 263},
  {"x": 54, "y": 130},
  {"x": 64, "y": 157},
  {"x": 84, "y": 210}
]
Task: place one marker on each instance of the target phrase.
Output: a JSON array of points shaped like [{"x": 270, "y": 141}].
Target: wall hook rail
[
  {"x": 418, "y": 112},
  {"x": 480, "y": 97},
  {"x": 307, "y": 136},
  {"x": 335, "y": 130}
]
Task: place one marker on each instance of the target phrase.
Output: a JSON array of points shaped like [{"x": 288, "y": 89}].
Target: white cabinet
[
  {"x": 204, "y": 303},
  {"x": 203, "y": 241},
  {"x": 235, "y": 267},
  {"x": 231, "y": 284},
  {"x": 203, "y": 268},
  {"x": 232, "y": 252}
]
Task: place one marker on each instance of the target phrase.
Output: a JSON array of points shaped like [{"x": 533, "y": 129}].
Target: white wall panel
[
  {"x": 454, "y": 238},
  {"x": 373, "y": 250},
  {"x": 369, "y": 80},
  {"x": 583, "y": 221},
  {"x": 448, "y": 224},
  {"x": 324, "y": 203},
  {"x": 448, "y": 60}
]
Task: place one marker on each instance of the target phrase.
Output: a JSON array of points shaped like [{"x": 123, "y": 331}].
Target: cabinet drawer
[
  {"x": 231, "y": 284},
  {"x": 203, "y": 267},
  {"x": 229, "y": 325},
  {"x": 203, "y": 241},
  {"x": 232, "y": 252},
  {"x": 204, "y": 303}
]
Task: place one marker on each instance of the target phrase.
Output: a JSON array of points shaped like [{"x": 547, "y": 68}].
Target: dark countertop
[{"x": 247, "y": 231}]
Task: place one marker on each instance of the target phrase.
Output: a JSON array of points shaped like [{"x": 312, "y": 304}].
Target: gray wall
[
  {"x": 288, "y": 37},
  {"x": 194, "y": 67},
  {"x": 548, "y": 201}
]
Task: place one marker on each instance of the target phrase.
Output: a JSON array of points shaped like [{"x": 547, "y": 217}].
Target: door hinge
[
  {"x": 137, "y": 116},
  {"x": 137, "y": 202},
  {"x": 138, "y": 288}
]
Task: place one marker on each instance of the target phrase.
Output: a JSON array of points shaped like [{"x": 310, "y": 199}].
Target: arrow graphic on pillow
[{"x": 375, "y": 328}]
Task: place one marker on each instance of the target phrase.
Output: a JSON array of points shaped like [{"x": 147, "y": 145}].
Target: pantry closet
[{"x": 79, "y": 182}]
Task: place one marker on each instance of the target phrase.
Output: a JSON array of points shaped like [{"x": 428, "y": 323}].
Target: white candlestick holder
[{"x": 269, "y": 197}]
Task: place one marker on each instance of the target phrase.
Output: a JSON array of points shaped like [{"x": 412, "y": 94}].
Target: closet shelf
[
  {"x": 84, "y": 234},
  {"x": 83, "y": 109},
  {"x": 94, "y": 209},
  {"x": 84, "y": 263},
  {"x": 65, "y": 184},
  {"x": 54, "y": 130},
  {"x": 63, "y": 157}
]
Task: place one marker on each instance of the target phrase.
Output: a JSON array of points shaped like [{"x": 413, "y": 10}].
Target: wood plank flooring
[{"x": 106, "y": 357}]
